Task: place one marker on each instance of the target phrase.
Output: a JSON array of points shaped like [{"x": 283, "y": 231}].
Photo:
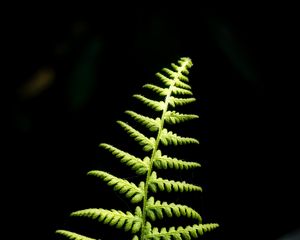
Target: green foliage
[{"x": 175, "y": 82}]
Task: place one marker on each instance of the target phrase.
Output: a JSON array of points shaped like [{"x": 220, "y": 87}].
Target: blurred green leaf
[{"x": 83, "y": 79}]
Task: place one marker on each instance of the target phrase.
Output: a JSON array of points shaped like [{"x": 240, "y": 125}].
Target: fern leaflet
[
  {"x": 136, "y": 164},
  {"x": 164, "y": 162},
  {"x": 170, "y": 185},
  {"x": 121, "y": 185}
]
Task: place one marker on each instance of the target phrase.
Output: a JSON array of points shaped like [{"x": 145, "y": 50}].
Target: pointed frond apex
[
  {"x": 150, "y": 123},
  {"x": 170, "y": 185},
  {"x": 72, "y": 235},
  {"x": 172, "y": 117},
  {"x": 168, "y": 138},
  {"x": 117, "y": 218},
  {"x": 164, "y": 162},
  {"x": 185, "y": 63},
  {"x": 158, "y": 210},
  {"x": 136, "y": 164},
  {"x": 159, "y": 90},
  {"x": 155, "y": 105},
  {"x": 147, "y": 143},
  {"x": 130, "y": 190},
  {"x": 180, "y": 233},
  {"x": 173, "y": 101}
]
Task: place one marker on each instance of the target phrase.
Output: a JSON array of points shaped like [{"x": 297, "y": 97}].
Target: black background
[{"x": 94, "y": 64}]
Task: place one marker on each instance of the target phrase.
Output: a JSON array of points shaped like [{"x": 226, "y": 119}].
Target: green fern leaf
[
  {"x": 168, "y": 137},
  {"x": 179, "y": 71},
  {"x": 121, "y": 185},
  {"x": 164, "y": 162},
  {"x": 182, "y": 85},
  {"x": 172, "y": 117},
  {"x": 165, "y": 80},
  {"x": 173, "y": 101},
  {"x": 185, "y": 62},
  {"x": 72, "y": 235},
  {"x": 136, "y": 164},
  {"x": 184, "y": 65},
  {"x": 147, "y": 143},
  {"x": 171, "y": 73},
  {"x": 181, "y": 91},
  {"x": 158, "y": 209},
  {"x": 181, "y": 233},
  {"x": 159, "y": 90},
  {"x": 170, "y": 185},
  {"x": 175, "y": 82},
  {"x": 175, "y": 77},
  {"x": 155, "y": 105},
  {"x": 150, "y": 123},
  {"x": 113, "y": 217}
]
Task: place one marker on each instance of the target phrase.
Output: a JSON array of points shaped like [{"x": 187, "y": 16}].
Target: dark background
[{"x": 73, "y": 77}]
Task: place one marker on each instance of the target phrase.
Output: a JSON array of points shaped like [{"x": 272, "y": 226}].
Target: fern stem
[{"x": 157, "y": 140}]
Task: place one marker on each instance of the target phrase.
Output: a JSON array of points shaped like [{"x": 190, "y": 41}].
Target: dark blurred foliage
[{"x": 73, "y": 77}]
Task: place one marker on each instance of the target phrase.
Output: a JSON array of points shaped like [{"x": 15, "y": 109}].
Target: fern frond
[
  {"x": 181, "y": 233},
  {"x": 173, "y": 117},
  {"x": 181, "y": 91},
  {"x": 159, "y": 90},
  {"x": 136, "y": 164},
  {"x": 72, "y": 235},
  {"x": 130, "y": 190},
  {"x": 170, "y": 185},
  {"x": 147, "y": 143},
  {"x": 158, "y": 209},
  {"x": 150, "y": 123},
  {"x": 175, "y": 91},
  {"x": 168, "y": 137},
  {"x": 113, "y": 217},
  {"x": 173, "y": 101},
  {"x": 155, "y": 105}
]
